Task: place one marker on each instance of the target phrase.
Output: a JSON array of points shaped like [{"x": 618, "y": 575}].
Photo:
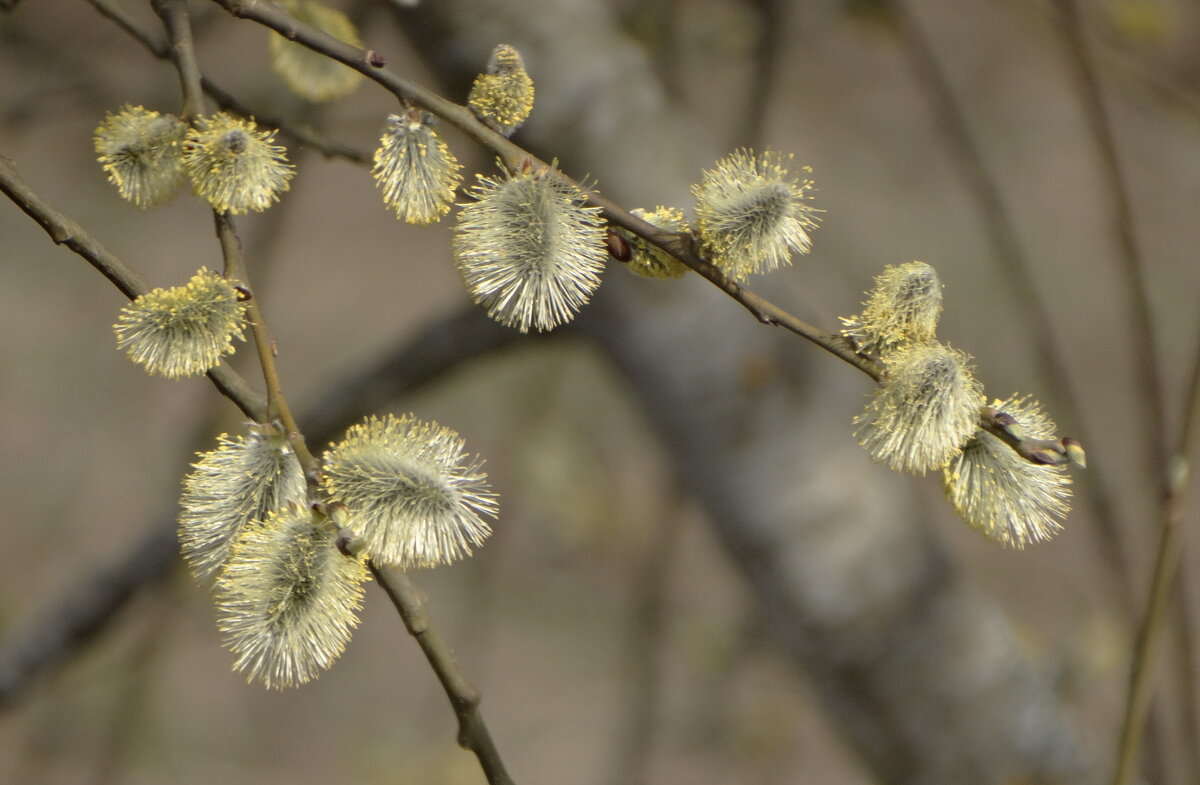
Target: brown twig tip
[
  {"x": 1075, "y": 452},
  {"x": 1046, "y": 452},
  {"x": 374, "y": 59}
]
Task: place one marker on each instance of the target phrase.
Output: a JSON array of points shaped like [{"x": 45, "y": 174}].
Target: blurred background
[{"x": 617, "y": 623}]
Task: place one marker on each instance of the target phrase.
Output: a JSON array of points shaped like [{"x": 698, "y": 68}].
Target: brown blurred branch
[
  {"x": 78, "y": 616},
  {"x": 1149, "y": 374}
]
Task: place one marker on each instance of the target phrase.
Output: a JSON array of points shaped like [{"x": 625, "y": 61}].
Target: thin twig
[
  {"x": 1149, "y": 375},
  {"x": 174, "y": 14},
  {"x": 473, "y": 733},
  {"x": 277, "y": 403},
  {"x": 1141, "y": 679}
]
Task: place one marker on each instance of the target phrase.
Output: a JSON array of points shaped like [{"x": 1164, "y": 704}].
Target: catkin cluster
[
  {"x": 928, "y": 413},
  {"x": 232, "y": 164},
  {"x": 289, "y": 574}
]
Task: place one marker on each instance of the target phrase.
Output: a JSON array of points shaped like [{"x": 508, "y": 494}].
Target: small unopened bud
[
  {"x": 312, "y": 75},
  {"x": 648, "y": 259},
  {"x": 502, "y": 97},
  {"x": 1075, "y": 452}
]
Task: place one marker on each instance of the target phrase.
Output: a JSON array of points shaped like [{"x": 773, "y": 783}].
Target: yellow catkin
[
  {"x": 924, "y": 411},
  {"x": 1010, "y": 500},
  {"x": 141, "y": 152},
  {"x": 287, "y": 599},
  {"x": 184, "y": 330},
  {"x": 647, "y": 259},
  {"x": 231, "y": 487},
  {"x": 502, "y": 96},
  {"x": 752, "y": 213},
  {"x": 415, "y": 169},
  {"x": 529, "y": 249},
  {"x": 310, "y": 74},
  {"x": 409, "y": 491},
  {"x": 234, "y": 166},
  {"x": 902, "y": 308}
]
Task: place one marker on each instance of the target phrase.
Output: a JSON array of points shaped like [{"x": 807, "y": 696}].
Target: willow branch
[
  {"x": 277, "y": 403},
  {"x": 514, "y": 157},
  {"x": 473, "y": 733},
  {"x": 64, "y": 231},
  {"x": 301, "y": 134}
]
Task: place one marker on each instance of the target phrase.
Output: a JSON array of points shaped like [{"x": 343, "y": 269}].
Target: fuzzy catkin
[
  {"x": 184, "y": 330},
  {"x": 529, "y": 249},
  {"x": 924, "y": 411},
  {"x": 231, "y": 487},
  {"x": 141, "y": 152},
  {"x": 312, "y": 75},
  {"x": 415, "y": 169},
  {"x": 234, "y": 166},
  {"x": 502, "y": 96},
  {"x": 410, "y": 491},
  {"x": 1007, "y": 498},
  {"x": 902, "y": 308},
  {"x": 752, "y": 213},
  {"x": 287, "y": 599},
  {"x": 647, "y": 259}
]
